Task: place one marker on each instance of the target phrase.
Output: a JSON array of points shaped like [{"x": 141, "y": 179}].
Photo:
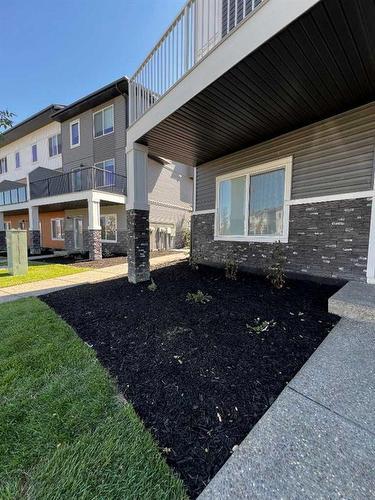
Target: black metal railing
[
  {"x": 13, "y": 196},
  {"x": 83, "y": 179}
]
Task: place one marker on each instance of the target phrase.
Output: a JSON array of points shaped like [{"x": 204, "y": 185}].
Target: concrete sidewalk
[{"x": 36, "y": 288}]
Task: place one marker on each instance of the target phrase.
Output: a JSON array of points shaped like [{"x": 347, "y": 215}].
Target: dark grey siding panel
[
  {"x": 83, "y": 154},
  {"x": 331, "y": 157}
]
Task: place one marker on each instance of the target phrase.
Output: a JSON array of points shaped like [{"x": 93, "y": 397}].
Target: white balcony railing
[{"x": 197, "y": 29}]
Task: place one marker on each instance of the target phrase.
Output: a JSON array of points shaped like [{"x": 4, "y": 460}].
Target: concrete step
[{"x": 354, "y": 300}]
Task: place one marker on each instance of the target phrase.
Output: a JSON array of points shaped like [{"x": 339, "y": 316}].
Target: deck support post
[
  {"x": 137, "y": 212},
  {"x": 94, "y": 230},
  {"x": 34, "y": 231},
  {"x": 3, "y": 243}
]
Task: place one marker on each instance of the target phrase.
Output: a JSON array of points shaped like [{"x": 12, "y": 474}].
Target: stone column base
[
  {"x": 3, "y": 241},
  {"x": 138, "y": 245},
  {"x": 94, "y": 237},
  {"x": 34, "y": 238}
]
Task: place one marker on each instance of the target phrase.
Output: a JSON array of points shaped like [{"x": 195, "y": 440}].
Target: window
[
  {"x": 105, "y": 175},
  {"x": 34, "y": 153},
  {"x": 251, "y": 203},
  {"x": 77, "y": 179},
  {"x": 109, "y": 228},
  {"x": 75, "y": 134},
  {"x": 103, "y": 122},
  {"x": 3, "y": 165},
  {"x": 22, "y": 225},
  {"x": 18, "y": 159},
  {"x": 57, "y": 229},
  {"x": 7, "y": 226},
  {"x": 54, "y": 145}
]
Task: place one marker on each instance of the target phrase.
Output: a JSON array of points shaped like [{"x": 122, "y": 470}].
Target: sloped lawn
[
  {"x": 38, "y": 272},
  {"x": 64, "y": 434},
  {"x": 200, "y": 375}
]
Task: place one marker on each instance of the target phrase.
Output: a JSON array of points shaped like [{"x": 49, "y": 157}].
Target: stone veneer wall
[
  {"x": 138, "y": 245},
  {"x": 3, "y": 241},
  {"x": 328, "y": 240},
  {"x": 34, "y": 240},
  {"x": 94, "y": 244}
]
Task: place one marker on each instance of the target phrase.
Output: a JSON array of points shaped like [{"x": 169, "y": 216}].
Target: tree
[{"x": 6, "y": 120}]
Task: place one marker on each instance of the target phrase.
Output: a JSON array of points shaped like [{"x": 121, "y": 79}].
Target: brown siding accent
[{"x": 334, "y": 156}]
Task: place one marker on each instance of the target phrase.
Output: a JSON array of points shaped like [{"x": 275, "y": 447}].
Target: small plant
[
  {"x": 231, "y": 270},
  {"x": 186, "y": 237},
  {"x": 261, "y": 326},
  {"x": 275, "y": 270},
  {"x": 193, "y": 263},
  {"x": 198, "y": 298},
  {"x": 152, "y": 286},
  {"x": 106, "y": 253}
]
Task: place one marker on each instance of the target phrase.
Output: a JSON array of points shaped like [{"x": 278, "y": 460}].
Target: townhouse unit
[
  {"x": 272, "y": 102},
  {"x": 72, "y": 190}
]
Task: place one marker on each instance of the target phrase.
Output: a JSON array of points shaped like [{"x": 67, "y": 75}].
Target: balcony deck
[{"x": 288, "y": 64}]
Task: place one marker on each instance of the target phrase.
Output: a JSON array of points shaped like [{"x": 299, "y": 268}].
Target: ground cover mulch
[
  {"x": 98, "y": 264},
  {"x": 199, "y": 375}
]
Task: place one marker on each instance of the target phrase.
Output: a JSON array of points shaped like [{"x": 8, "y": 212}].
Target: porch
[{"x": 262, "y": 73}]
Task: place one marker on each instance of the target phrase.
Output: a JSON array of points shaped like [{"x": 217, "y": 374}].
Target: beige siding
[
  {"x": 334, "y": 156},
  {"x": 171, "y": 184}
]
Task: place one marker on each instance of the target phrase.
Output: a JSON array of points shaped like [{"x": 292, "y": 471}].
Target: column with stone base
[
  {"x": 94, "y": 237},
  {"x": 34, "y": 231},
  {"x": 138, "y": 214},
  {"x": 3, "y": 241}
]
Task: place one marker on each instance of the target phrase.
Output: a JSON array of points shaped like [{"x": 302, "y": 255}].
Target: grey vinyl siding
[
  {"x": 93, "y": 150},
  {"x": 331, "y": 157}
]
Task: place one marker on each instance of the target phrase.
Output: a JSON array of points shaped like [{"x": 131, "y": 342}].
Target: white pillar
[
  {"x": 138, "y": 213},
  {"x": 34, "y": 218},
  {"x": 34, "y": 230},
  {"x": 137, "y": 177},
  {"x": 94, "y": 230},
  {"x": 94, "y": 214}
]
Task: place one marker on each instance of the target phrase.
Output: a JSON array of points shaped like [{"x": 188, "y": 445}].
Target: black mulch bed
[{"x": 195, "y": 373}]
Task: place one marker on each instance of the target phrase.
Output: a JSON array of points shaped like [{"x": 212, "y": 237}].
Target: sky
[{"x": 54, "y": 52}]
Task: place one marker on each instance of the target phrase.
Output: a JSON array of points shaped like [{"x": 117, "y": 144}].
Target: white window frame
[
  {"x": 3, "y": 162},
  {"x": 104, "y": 172},
  {"x": 50, "y": 137},
  {"x": 110, "y": 215},
  {"x": 93, "y": 121},
  {"x": 17, "y": 153},
  {"x": 7, "y": 225},
  {"x": 282, "y": 163},
  {"x": 75, "y": 122},
  {"x": 52, "y": 221},
  {"x": 36, "y": 150}
]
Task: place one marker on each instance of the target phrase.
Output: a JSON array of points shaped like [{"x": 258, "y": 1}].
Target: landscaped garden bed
[{"x": 199, "y": 374}]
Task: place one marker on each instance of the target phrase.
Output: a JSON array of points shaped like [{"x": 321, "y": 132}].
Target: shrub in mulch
[{"x": 199, "y": 374}]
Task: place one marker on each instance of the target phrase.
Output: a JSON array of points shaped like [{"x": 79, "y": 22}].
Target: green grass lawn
[
  {"x": 39, "y": 271},
  {"x": 63, "y": 432}
]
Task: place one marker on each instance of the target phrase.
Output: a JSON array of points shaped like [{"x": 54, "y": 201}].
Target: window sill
[
  {"x": 103, "y": 135},
  {"x": 73, "y": 146},
  {"x": 108, "y": 241},
  {"x": 251, "y": 239},
  {"x": 57, "y": 239}
]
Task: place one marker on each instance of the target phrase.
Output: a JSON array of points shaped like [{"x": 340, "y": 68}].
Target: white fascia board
[
  {"x": 112, "y": 197},
  {"x": 265, "y": 22}
]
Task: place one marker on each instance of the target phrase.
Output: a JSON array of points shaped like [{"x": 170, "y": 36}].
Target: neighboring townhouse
[
  {"x": 272, "y": 102},
  {"x": 84, "y": 200},
  {"x": 33, "y": 144}
]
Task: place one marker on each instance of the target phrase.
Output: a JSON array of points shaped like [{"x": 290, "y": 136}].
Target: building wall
[
  {"x": 334, "y": 156},
  {"x": 119, "y": 247},
  {"x": 327, "y": 238},
  {"x": 93, "y": 150},
  {"x": 23, "y": 146},
  {"x": 45, "y": 225},
  {"x": 170, "y": 195}
]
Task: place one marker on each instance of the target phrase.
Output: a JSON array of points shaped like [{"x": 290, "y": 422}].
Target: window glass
[
  {"x": 105, "y": 173},
  {"x": 266, "y": 203},
  {"x": 108, "y": 120},
  {"x": 57, "y": 229},
  {"x": 18, "y": 160},
  {"x": 98, "y": 124},
  {"x": 7, "y": 198},
  {"x": 54, "y": 144},
  {"x": 1, "y": 198},
  {"x": 3, "y": 165},
  {"x": 34, "y": 152},
  {"x": 232, "y": 207},
  {"x": 21, "y": 194},
  {"x": 103, "y": 122},
  {"x": 74, "y": 134},
  {"x": 77, "y": 180},
  {"x": 14, "y": 195},
  {"x": 109, "y": 227}
]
